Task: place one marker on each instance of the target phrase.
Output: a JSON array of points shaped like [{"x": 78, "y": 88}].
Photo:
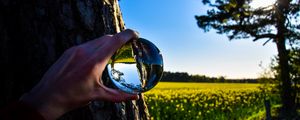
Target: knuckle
[
  {"x": 106, "y": 37},
  {"x": 79, "y": 51}
]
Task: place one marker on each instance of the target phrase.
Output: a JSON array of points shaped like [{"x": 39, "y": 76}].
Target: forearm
[{"x": 20, "y": 111}]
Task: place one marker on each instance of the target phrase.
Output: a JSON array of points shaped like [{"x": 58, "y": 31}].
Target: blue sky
[{"x": 170, "y": 24}]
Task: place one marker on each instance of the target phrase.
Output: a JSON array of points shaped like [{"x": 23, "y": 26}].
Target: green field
[{"x": 207, "y": 101}]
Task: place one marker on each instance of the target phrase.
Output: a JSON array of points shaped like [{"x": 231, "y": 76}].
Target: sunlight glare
[{"x": 261, "y": 3}]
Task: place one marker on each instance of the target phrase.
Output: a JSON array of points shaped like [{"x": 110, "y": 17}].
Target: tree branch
[{"x": 270, "y": 36}]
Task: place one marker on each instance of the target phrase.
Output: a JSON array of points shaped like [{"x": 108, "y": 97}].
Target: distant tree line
[{"x": 185, "y": 77}]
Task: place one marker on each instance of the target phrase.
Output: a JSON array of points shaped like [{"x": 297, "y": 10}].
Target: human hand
[{"x": 75, "y": 78}]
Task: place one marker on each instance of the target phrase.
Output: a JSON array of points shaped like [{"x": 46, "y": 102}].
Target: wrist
[{"x": 49, "y": 109}]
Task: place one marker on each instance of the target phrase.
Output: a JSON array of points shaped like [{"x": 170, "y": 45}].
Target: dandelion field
[{"x": 204, "y": 101}]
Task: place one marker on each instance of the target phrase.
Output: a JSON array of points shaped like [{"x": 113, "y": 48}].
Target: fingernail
[{"x": 137, "y": 33}]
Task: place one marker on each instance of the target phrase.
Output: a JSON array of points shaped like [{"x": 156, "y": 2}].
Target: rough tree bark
[{"x": 34, "y": 33}]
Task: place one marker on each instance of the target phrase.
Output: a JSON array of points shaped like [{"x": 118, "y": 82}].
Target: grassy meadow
[{"x": 205, "y": 101}]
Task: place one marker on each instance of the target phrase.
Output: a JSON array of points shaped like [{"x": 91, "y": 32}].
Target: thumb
[{"x": 112, "y": 95}]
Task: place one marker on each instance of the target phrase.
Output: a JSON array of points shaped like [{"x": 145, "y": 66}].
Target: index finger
[{"x": 114, "y": 41}]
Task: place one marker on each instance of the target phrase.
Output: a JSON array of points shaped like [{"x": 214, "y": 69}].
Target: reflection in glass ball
[{"x": 136, "y": 67}]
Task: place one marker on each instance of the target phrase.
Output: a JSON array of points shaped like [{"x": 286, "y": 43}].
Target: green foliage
[
  {"x": 239, "y": 20},
  {"x": 205, "y": 101},
  {"x": 294, "y": 55}
]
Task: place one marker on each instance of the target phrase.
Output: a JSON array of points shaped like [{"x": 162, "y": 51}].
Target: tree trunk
[
  {"x": 287, "y": 94},
  {"x": 33, "y": 35}
]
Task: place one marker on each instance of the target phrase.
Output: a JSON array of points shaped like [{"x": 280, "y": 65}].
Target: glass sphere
[{"x": 136, "y": 67}]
